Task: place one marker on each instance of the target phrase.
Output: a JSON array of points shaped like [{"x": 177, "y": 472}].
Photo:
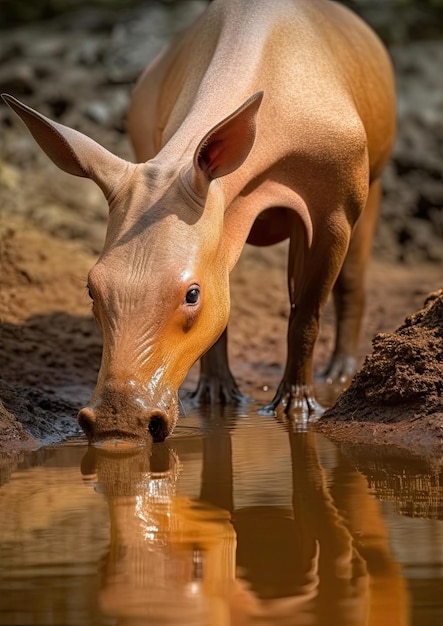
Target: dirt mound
[
  {"x": 400, "y": 382},
  {"x": 404, "y": 374}
]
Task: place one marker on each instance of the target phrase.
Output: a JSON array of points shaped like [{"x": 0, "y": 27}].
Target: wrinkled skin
[
  {"x": 140, "y": 348},
  {"x": 261, "y": 122}
]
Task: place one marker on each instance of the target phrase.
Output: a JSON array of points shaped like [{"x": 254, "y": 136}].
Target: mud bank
[{"x": 397, "y": 396}]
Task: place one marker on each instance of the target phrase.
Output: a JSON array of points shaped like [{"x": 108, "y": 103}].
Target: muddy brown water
[{"x": 235, "y": 520}]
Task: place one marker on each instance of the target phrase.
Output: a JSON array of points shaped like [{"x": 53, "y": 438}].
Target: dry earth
[{"x": 80, "y": 70}]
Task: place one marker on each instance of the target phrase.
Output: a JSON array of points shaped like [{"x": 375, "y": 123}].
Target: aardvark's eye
[{"x": 193, "y": 295}]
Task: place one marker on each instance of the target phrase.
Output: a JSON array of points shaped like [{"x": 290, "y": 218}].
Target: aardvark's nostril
[
  {"x": 86, "y": 419},
  {"x": 158, "y": 427}
]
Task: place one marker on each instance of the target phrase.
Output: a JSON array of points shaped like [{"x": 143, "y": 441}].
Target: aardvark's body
[{"x": 263, "y": 121}]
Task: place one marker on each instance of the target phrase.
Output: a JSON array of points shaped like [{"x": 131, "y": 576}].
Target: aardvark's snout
[{"x": 121, "y": 412}]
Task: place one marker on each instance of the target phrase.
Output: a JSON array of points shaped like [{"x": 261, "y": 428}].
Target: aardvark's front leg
[
  {"x": 296, "y": 392},
  {"x": 311, "y": 275},
  {"x": 216, "y": 384}
]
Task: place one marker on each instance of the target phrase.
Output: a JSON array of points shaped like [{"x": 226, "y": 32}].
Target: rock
[
  {"x": 111, "y": 111},
  {"x": 17, "y": 78},
  {"x": 135, "y": 42}
]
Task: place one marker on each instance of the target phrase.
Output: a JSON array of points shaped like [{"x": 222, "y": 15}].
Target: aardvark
[{"x": 262, "y": 121}]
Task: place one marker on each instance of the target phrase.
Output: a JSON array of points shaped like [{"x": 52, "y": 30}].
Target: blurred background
[
  {"x": 77, "y": 61},
  {"x": 395, "y": 20}
]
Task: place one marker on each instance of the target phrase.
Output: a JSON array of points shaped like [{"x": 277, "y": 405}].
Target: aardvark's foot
[
  {"x": 341, "y": 369},
  {"x": 298, "y": 403},
  {"x": 216, "y": 391}
]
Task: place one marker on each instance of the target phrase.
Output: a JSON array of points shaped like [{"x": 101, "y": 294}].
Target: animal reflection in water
[{"x": 173, "y": 560}]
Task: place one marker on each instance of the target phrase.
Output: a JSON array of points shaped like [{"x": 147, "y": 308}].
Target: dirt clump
[
  {"x": 399, "y": 383},
  {"x": 12, "y": 431}
]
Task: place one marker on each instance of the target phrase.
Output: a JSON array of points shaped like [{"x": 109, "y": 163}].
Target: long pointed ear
[
  {"x": 224, "y": 148},
  {"x": 69, "y": 149}
]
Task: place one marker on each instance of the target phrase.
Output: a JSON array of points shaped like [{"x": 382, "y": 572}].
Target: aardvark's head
[{"x": 160, "y": 287}]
